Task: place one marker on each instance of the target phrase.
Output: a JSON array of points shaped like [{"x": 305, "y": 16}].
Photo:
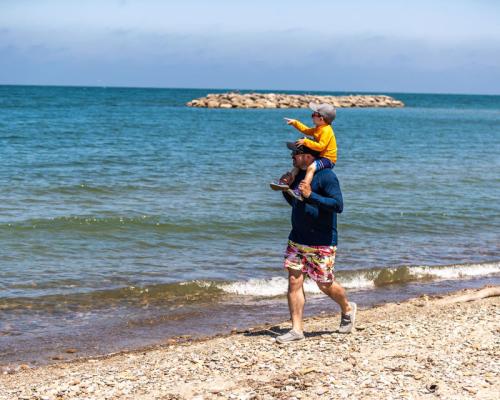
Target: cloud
[{"x": 287, "y": 59}]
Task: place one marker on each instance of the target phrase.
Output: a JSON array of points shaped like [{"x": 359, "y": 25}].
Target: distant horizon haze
[{"x": 450, "y": 47}]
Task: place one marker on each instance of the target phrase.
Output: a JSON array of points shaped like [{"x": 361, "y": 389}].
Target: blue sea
[{"x": 127, "y": 218}]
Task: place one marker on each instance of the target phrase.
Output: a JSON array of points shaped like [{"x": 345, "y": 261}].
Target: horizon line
[{"x": 242, "y": 89}]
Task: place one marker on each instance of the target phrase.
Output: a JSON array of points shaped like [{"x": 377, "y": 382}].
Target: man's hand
[
  {"x": 300, "y": 142},
  {"x": 289, "y": 121},
  {"x": 305, "y": 189}
]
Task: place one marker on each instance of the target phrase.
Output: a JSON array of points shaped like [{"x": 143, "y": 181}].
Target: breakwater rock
[{"x": 276, "y": 100}]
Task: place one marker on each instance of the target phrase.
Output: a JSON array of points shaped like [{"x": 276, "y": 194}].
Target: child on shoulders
[{"x": 324, "y": 142}]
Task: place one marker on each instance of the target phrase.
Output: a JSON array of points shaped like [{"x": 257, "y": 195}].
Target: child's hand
[
  {"x": 300, "y": 142},
  {"x": 289, "y": 121}
]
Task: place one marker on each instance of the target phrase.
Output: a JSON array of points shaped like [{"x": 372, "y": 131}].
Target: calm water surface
[{"x": 122, "y": 211}]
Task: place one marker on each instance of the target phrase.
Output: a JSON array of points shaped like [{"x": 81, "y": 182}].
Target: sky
[{"x": 438, "y": 46}]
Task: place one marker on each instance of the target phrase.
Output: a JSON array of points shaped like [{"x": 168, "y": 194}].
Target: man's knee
[
  {"x": 295, "y": 280},
  {"x": 324, "y": 287},
  {"x": 330, "y": 287}
]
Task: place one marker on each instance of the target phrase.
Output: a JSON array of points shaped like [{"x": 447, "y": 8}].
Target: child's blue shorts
[{"x": 323, "y": 163}]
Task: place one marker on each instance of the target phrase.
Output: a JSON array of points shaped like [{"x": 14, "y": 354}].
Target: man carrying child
[{"x": 315, "y": 202}]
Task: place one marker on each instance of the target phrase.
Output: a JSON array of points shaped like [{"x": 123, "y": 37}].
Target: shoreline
[
  {"x": 126, "y": 330},
  {"x": 249, "y": 364}
]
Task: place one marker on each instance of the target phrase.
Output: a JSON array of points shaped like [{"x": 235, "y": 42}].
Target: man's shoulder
[
  {"x": 326, "y": 173},
  {"x": 326, "y": 178}
]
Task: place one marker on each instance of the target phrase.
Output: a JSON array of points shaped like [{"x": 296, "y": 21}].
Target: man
[{"x": 312, "y": 243}]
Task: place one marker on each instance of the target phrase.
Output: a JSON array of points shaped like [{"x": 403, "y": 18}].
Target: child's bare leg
[
  {"x": 294, "y": 172},
  {"x": 311, "y": 169},
  {"x": 294, "y": 192},
  {"x": 285, "y": 181}
]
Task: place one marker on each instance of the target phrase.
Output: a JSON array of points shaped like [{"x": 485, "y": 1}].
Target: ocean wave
[
  {"x": 163, "y": 295},
  {"x": 366, "y": 278},
  {"x": 179, "y": 294}
]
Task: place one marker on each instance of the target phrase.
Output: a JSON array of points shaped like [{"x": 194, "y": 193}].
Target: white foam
[
  {"x": 356, "y": 282},
  {"x": 277, "y": 286},
  {"x": 457, "y": 271},
  {"x": 202, "y": 284}
]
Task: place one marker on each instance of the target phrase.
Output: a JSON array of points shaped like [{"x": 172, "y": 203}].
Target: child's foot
[
  {"x": 295, "y": 193},
  {"x": 279, "y": 185}
]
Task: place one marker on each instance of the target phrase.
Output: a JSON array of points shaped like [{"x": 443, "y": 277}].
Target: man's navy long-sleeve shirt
[{"x": 314, "y": 220}]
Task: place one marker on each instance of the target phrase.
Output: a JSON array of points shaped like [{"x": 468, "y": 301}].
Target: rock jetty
[{"x": 276, "y": 100}]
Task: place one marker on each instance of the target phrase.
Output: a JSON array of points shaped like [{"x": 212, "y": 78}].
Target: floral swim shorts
[{"x": 315, "y": 261}]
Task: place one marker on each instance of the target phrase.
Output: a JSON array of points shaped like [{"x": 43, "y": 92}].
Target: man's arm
[{"x": 332, "y": 201}]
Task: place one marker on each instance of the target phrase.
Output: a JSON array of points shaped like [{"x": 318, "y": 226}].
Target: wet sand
[{"x": 422, "y": 348}]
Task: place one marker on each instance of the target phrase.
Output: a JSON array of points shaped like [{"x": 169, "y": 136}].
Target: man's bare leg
[
  {"x": 337, "y": 294},
  {"x": 296, "y": 298}
]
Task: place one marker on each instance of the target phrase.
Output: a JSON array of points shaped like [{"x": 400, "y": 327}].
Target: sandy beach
[{"x": 422, "y": 348}]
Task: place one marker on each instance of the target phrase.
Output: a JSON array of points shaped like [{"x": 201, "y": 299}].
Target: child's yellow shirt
[{"x": 325, "y": 142}]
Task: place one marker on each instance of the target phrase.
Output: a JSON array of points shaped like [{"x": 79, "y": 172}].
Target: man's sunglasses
[{"x": 316, "y": 114}]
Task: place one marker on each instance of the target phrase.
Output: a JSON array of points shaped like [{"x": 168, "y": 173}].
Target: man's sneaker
[
  {"x": 279, "y": 185},
  {"x": 290, "y": 336},
  {"x": 347, "y": 320},
  {"x": 295, "y": 193}
]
